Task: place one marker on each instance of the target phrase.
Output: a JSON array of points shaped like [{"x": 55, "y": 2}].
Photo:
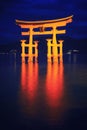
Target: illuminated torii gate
[{"x": 46, "y": 27}]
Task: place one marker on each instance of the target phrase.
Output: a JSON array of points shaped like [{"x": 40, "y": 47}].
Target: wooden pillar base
[
  {"x": 23, "y": 59},
  {"x": 36, "y": 59},
  {"x": 49, "y": 59},
  {"x": 60, "y": 59},
  {"x": 55, "y": 59},
  {"x": 30, "y": 59}
]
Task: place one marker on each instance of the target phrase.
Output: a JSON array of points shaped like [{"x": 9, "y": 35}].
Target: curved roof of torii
[{"x": 44, "y": 22}]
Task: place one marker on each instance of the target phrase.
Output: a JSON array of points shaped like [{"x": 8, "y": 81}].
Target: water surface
[{"x": 42, "y": 95}]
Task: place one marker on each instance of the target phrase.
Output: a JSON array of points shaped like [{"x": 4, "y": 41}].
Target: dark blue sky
[{"x": 41, "y": 10}]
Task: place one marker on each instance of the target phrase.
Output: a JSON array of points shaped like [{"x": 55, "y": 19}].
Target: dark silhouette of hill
[
  {"x": 9, "y": 47},
  {"x": 75, "y": 44}
]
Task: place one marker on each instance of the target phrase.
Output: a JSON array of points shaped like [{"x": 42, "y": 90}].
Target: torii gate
[{"x": 46, "y": 27}]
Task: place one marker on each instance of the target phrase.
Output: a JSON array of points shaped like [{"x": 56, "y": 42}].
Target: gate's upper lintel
[{"x": 67, "y": 19}]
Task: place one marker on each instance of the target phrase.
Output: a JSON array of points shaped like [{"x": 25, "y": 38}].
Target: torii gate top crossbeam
[
  {"x": 67, "y": 19},
  {"x": 42, "y": 25}
]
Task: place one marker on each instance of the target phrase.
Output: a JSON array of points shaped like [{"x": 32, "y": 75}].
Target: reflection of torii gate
[{"x": 43, "y": 28}]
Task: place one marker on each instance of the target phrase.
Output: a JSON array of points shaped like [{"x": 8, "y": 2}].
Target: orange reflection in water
[
  {"x": 29, "y": 82},
  {"x": 54, "y": 89}
]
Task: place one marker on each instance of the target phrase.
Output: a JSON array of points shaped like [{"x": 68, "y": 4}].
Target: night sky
[{"x": 10, "y": 10}]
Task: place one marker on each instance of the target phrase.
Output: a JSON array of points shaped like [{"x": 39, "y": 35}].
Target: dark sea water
[{"x": 43, "y": 96}]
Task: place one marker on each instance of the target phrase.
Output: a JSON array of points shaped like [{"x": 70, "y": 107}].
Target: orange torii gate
[{"x": 46, "y": 27}]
